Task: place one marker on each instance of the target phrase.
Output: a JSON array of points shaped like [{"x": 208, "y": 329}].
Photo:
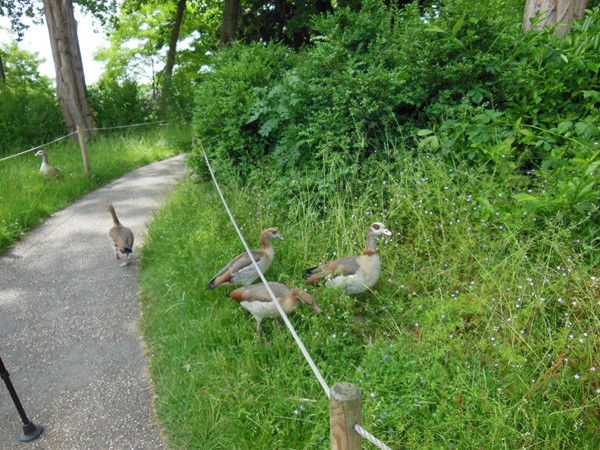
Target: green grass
[
  {"x": 27, "y": 199},
  {"x": 481, "y": 333}
]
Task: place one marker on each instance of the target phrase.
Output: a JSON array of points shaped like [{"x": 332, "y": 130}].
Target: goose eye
[{"x": 376, "y": 226}]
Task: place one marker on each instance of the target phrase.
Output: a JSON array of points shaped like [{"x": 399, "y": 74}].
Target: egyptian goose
[
  {"x": 354, "y": 274},
  {"x": 257, "y": 300},
  {"x": 121, "y": 237},
  {"x": 46, "y": 169},
  {"x": 240, "y": 270}
]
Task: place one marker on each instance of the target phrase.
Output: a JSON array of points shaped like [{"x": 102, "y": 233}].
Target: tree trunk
[
  {"x": 168, "y": 71},
  {"x": 541, "y": 13},
  {"x": 71, "y": 91},
  {"x": 231, "y": 14},
  {"x": 2, "y": 74}
]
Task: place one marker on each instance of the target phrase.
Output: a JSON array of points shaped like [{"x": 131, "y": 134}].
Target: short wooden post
[
  {"x": 83, "y": 147},
  {"x": 344, "y": 412}
]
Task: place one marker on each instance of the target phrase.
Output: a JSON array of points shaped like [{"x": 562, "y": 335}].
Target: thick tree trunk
[
  {"x": 70, "y": 82},
  {"x": 168, "y": 71},
  {"x": 231, "y": 14},
  {"x": 552, "y": 12}
]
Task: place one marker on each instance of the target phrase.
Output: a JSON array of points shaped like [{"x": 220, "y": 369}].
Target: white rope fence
[
  {"x": 357, "y": 427},
  {"x": 38, "y": 147},
  {"x": 307, "y": 356},
  {"x": 159, "y": 122},
  {"x": 369, "y": 437},
  {"x": 118, "y": 127}
]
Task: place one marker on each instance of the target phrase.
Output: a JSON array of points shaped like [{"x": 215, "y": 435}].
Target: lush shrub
[
  {"x": 369, "y": 74},
  {"x": 460, "y": 79},
  {"x": 27, "y": 118},
  {"x": 226, "y": 98},
  {"x": 544, "y": 122},
  {"x": 120, "y": 103},
  {"x": 29, "y": 112}
]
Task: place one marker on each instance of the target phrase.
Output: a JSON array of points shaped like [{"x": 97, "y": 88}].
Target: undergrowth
[{"x": 481, "y": 332}]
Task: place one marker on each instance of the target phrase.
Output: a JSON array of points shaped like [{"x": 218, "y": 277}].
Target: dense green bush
[
  {"x": 369, "y": 75},
  {"x": 227, "y": 99},
  {"x": 29, "y": 112},
  {"x": 544, "y": 122},
  {"x": 119, "y": 103},
  {"x": 460, "y": 80}
]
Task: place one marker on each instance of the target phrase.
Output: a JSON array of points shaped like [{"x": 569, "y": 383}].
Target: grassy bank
[
  {"x": 481, "y": 333},
  {"x": 27, "y": 198}
]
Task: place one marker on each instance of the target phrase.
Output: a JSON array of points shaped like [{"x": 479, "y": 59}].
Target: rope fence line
[
  {"x": 356, "y": 427},
  {"x": 117, "y": 127},
  {"x": 77, "y": 132},
  {"x": 369, "y": 437},
  {"x": 38, "y": 147},
  {"x": 307, "y": 356}
]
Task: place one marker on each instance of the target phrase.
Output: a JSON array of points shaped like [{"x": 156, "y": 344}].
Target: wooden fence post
[
  {"x": 344, "y": 412},
  {"x": 83, "y": 147}
]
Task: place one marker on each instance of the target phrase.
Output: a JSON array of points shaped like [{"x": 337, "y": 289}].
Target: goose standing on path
[
  {"x": 120, "y": 236},
  {"x": 354, "y": 274},
  {"x": 46, "y": 169},
  {"x": 240, "y": 270},
  {"x": 257, "y": 300}
]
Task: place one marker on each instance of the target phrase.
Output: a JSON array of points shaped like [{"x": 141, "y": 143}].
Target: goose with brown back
[
  {"x": 120, "y": 236},
  {"x": 257, "y": 300},
  {"x": 353, "y": 274},
  {"x": 240, "y": 270}
]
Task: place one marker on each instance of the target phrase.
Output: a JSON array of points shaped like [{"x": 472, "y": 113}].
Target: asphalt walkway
[{"x": 68, "y": 323}]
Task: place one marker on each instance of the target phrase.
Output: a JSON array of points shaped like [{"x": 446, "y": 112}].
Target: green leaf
[
  {"x": 424, "y": 132},
  {"x": 434, "y": 29},
  {"x": 564, "y": 126},
  {"x": 475, "y": 95},
  {"x": 526, "y": 132},
  {"x": 431, "y": 142},
  {"x": 268, "y": 126},
  {"x": 592, "y": 168},
  {"x": 457, "y": 26},
  {"x": 523, "y": 198}
]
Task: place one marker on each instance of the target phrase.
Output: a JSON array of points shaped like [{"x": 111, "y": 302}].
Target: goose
[
  {"x": 256, "y": 300},
  {"x": 121, "y": 237},
  {"x": 46, "y": 169},
  {"x": 354, "y": 274},
  {"x": 240, "y": 270}
]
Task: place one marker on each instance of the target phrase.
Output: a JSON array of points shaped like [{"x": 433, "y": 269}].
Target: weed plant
[
  {"x": 481, "y": 333},
  {"x": 27, "y": 198}
]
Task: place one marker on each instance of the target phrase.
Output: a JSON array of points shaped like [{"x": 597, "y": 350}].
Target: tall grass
[
  {"x": 26, "y": 198},
  {"x": 481, "y": 333}
]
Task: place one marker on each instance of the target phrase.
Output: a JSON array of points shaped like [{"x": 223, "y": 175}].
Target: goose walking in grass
[
  {"x": 240, "y": 270},
  {"x": 257, "y": 300},
  {"x": 48, "y": 171},
  {"x": 354, "y": 274},
  {"x": 121, "y": 237}
]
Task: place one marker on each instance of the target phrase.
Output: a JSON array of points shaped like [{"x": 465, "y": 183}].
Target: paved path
[{"x": 68, "y": 324}]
